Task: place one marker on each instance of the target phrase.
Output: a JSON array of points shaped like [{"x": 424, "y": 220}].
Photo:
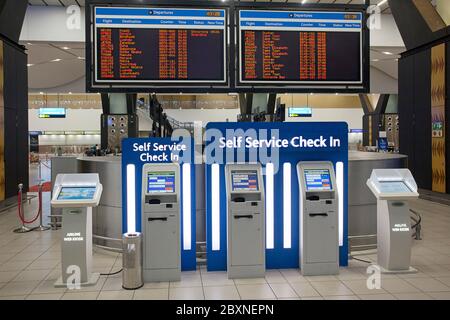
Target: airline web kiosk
[
  {"x": 319, "y": 231},
  {"x": 393, "y": 188},
  {"x": 76, "y": 194},
  {"x": 246, "y": 221},
  {"x": 161, "y": 221}
]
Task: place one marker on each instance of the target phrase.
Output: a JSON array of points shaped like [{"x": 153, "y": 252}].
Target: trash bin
[{"x": 132, "y": 261}]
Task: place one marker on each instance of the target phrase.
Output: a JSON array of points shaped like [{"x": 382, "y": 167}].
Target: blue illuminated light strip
[{"x": 122, "y": 11}]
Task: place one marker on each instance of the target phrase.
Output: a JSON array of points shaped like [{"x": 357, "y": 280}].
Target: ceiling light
[
  {"x": 70, "y": 92},
  {"x": 65, "y": 48},
  {"x": 80, "y": 58},
  {"x": 30, "y": 65},
  {"x": 387, "y": 53},
  {"x": 375, "y": 60},
  {"x": 304, "y": 1},
  {"x": 56, "y": 60},
  {"x": 41, "y": 93}
]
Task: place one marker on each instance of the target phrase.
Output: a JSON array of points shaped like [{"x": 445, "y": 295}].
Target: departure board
[
  {"x": 159, "y": 45},
  {"x": 300, "y": 47}
]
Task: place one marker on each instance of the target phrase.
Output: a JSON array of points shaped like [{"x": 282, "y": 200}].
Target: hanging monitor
[
  {"x": 138, "y": 47},
  {"x": 304, "y": 112},
  {"x": 302, "y": 49}
]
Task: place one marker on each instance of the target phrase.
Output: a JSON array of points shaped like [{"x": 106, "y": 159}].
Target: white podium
[
  {"x": 76, "y": 194},
  {"x": 393, "y": 188}
]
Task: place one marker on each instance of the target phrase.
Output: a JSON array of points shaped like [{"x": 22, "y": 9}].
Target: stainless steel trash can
[{"x": 132, "y": 261}]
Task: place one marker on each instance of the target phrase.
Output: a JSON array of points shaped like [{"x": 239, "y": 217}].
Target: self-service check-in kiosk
[
  {"x": 161, "y": 222},
  {"x": 319, "y": 231},
  {"x": 393, "y": 188},
  {"x": 246, "y": 221},
  {"x": 76, "y": 194}
]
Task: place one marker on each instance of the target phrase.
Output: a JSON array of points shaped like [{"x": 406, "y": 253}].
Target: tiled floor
[{"x": 30, "y": 264}]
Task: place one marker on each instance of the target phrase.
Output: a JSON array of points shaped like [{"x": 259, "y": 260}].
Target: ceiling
[{"x": 385, "y": 7}]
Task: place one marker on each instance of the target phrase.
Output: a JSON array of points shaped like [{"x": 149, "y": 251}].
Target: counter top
[
  {"x": 101, "y": 159},
  {"x": 373, "y": 156}
]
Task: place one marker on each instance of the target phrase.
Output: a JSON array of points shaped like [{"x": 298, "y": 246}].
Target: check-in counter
[{"x": 107, "y": 217}]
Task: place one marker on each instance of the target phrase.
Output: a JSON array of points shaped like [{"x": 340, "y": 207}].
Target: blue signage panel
[
  {"x": 282, "y": 146},
  {"x": 139, "y": 151}
]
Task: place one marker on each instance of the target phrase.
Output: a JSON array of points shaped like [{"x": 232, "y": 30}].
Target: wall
[
  {"x": 67, "y": 140},
  {"x": 76, "y": 120},
  {"x": 205, "y": 115}
]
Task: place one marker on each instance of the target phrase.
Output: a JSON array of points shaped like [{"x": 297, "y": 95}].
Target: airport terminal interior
[{"x": 225, "y": 150}]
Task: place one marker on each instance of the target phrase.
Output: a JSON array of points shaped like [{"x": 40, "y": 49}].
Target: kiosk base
[
  {"x": 92, "y": 282},
  {"x": 246, "y": 272},
  {"x": 158, "y": 275},
  {"x": 319, "y": 269},
  {"x": 407, "y": 271}
]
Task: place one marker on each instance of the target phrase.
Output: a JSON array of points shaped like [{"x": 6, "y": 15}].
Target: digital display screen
[
  {"x": 77, "y": 193},
  {"x": 300, "y": 47},
  {"x": 52, "y": 113},
  {"x": 160, "y": 45},
  {"x": 161, "y": 182},
  {"x": 244, "y": 181},
  {"x": 318, "y": 180},
  {"x": 300, "y": 112},
  {"x": 393, "y": 187}
]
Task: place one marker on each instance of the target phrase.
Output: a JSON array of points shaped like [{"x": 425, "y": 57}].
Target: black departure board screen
[
  {"x": 159, "y": 46},
  {"x": 300, "y": 48}
]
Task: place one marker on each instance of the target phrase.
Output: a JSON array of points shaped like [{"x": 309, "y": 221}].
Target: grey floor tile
[
  {"x": 151, "y": 294},
  {"x": 221, "y": 293},
  {"x": 181, "y": 293},
  {"x": 255, "y": 291},
  {"x": 116, "y": 295}
]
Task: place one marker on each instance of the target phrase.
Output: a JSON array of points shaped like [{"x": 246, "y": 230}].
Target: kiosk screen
[
  {"x": 77, "y": 193},
  {"x": 244, "y": 181},
  {"x": 318, "y": 180},
  {"x": 161, "y": 182},
  {"x": 393, "y": 187}
]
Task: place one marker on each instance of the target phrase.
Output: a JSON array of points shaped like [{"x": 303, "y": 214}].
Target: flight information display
[
  {"x": 300, "y": 47},
  {"x": 318, "y": 180},
  {"x": 244, "y": 181},
  {"x": 159, "y": 45},
  {"x": 161, "y": 182}
]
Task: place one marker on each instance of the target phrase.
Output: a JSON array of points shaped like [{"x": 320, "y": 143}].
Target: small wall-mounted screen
[
  {"x": 52, "y": 113},
  {"x": 77, "y": 193},
  {"x": 318, "y": 180},
  {"x": 244, "y": 181},
  {"x": 300, "y": 113},
  {"x": 393, "y": 187},
  {"x": 161, "y": 182}
]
